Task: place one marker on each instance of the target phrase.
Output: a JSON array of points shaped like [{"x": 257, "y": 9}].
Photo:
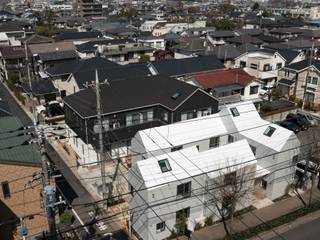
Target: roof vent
[{"x": 175, "y": 95}]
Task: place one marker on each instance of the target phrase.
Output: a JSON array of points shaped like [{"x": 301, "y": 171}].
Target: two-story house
[
  {"x": 301, "y": 80},
  {"x": 264, "y": 64},
  {"x": 129, "y": 105},
  {"x": 168, "y": 156}
]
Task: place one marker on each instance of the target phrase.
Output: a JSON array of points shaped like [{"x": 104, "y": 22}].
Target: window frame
[
  {"x": 230, "y": 137},
  {"x": 167, "y": 165},
  {"x": 184, "y": 190},
  {"x": 230, "y": 178},
  {"x": 269, "y": 131},
  {"x": 160, "y": 227},
  {"x": 234, "y": 111},
  {"x": 214, "y": 142},
  {"x": 5, "y": 189},
  {"x": 256, "y": 87}
]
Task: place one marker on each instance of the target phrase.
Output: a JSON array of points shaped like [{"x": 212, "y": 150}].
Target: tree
[
  {"x": 144, "y": 58},
  {"x": 224, "y": 24},
  {"x": 232, "y": 189},
  {"x": 255, "y": 6}
]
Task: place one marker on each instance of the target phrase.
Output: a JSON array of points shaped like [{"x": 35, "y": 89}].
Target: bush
[
  {"x": 208, "y": 221},
  {"x": 144, "y": 58},
  {"x": 197, "y": 227},
  {"x": 66, "y": 218}
]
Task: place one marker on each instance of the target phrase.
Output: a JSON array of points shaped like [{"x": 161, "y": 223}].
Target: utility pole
[
  {"x": 48, "y": 193},
  {"x": 100, "y": 132},
  {"x": 308, "y": 73}
]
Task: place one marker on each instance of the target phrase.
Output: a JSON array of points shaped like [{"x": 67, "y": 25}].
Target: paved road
[{"x": 307, "y": 231}]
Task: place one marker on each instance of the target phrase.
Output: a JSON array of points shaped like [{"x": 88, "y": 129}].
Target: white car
[{"x": 265, "y": 90}]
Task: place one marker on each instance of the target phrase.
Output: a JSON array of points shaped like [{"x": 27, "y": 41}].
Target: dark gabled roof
[
  {"x": 20, "y": 154},
  {"x": 245, "y": 39},
  {"x": 288, "y": 54},
  {"x": 247, "y": 47},
  {"x": 81, "y": 65},
  {"x": 251, "y": 32},
  {"x": 91, "y": 46},
  {"x": 39, "y": 87},
  {"x": 223, "y": 52},
  {"x": 58, "y": 55},
  {"x": 130, "y": 94},
  {"x": 11, "y": 27},
  {"x": 176, "y": 67},
  {"x": 298, "y": 66},
  {"x": 36, "y": 39},
  {"x": 269, "y": 39},
  {"x": 286, "y": 30},
  {"x": 225, "y": 34},
  {"x": 77, "y": 35},
  {"x": 296, "y": 44},
  {"x": 111, "y": 74},
  {"x": 4, "y": 108}
]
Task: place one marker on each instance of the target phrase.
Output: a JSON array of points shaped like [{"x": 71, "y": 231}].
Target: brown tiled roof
[
  {"x": 222, "y": 78},
  {"x": 14, "y": 52}
]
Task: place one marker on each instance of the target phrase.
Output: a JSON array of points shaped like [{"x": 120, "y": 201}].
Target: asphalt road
[{"x": 307, "y": 231}]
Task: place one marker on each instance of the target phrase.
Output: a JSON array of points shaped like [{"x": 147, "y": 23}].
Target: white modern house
[
  {"x": 182, "y": 184},
  {"x": 236, "y": 133}
]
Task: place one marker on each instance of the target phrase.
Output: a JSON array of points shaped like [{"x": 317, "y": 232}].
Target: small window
[
  {"x": 308, "y": 79},
  {"x": 160, "y": 227},
  {"x": 254, "y": 90},
  {"x": 175, "y": 95},
  {"x": 164, "y": 165},
  {"x": 214, "y": 142},
  {"x": 230, "y": 139},
  {"x": 269, "y": 131},
  {"x": 315, "y": 80},
  {"x": 234, "y": 111},
  {"x": 295, "y": 159},
  {"x": 182, "y": 214},
  {"x": 279, "y": 65},
  {"x": 230, "y": 178},
  {"x": 184, "y": 190},
  {"x": 253, "y": 66},
  {"x": 243, "y": 64},
  {"x": 186, "y": 116},
  {"x": 177, "y": 148},
  {"x": 6, "y": 189}
]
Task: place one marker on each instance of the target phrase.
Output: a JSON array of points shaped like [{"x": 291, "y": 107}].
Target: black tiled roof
[
  {"x": 91, "y": 46},
  {"x": 176, "y": 67},
  {"x": 58, "y": 55},
  {"x": 298, "y": 66},
  {"x": 81, "y": 65},
  {"x": 131, "y": 93},
  {"x": 288, "y": 54},
  {"x": 285, "y": 81},
  {"x": 111, "y": 74},
  {"x": 78, "y": 35},
  {"x": 40, "y": 87}
]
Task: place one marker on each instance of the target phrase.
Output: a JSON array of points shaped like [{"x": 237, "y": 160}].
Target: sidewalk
[{"x": 248, "y": 219}]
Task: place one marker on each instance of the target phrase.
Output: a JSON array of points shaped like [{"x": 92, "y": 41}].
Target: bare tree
[{"x": 230, "y": 191}]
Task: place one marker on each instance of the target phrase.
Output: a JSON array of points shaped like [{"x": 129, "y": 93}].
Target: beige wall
[{"x": 27, "y": 202}]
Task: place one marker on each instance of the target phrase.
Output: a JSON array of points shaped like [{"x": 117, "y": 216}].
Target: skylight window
[
  {"x": 234, "y": 111},
  {"x": 269, "y": 131},
  {"x": 175, "y": 95},
  {"x": 164, "y": 165}
]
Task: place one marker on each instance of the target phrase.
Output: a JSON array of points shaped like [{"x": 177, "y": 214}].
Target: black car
[
  {"x": 298, "y": 120},
  {"x": 290, "y": 126}
]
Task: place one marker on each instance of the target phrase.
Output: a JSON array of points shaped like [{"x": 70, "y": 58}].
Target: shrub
[
  {"x": 197, "y": 227},
  {"x": 208, "y": 221},
  {"x": 65, "y": 218},
  {"x": 144, "y": 58}
]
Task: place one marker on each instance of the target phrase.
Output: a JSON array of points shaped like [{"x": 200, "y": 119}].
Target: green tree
[
  {"x": 224, "y": 24},
  {"x": 144, "y": 58}
]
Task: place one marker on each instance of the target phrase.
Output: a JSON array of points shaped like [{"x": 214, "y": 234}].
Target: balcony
[
  {"x": 262, "y": 74},
  {"x": 229, "y": 99}
]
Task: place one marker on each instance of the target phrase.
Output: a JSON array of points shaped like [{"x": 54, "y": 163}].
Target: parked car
[
  {"x": 290, "y": 126},
  {"x": 265, "y": 90},
  {"x": 299, "y": 120},
  {"x": 308, "y": 117}
]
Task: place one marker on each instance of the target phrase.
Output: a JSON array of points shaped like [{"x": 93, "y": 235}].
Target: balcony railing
[{"x": 229, "y": 99}]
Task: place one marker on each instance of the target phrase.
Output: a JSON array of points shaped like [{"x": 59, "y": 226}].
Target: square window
[
  {"x": 234, "y": 111},
  {"x": 269, "y": 131},
  {"x": 182, "y": 215},
  {"x": 230, "y": 178},
  {"x": 214, "y": 142},
  {"x": 160, "y": 227},
  {"x": 164, "y": 165},
  {"x": 254, "y": 90},
  {"x": 184, "y": 190}
]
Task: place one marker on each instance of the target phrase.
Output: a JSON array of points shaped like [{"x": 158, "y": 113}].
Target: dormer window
[
  {"x": 269, "y": 131},
  {"x": 234, "y": 111},
  {"x": 164, "y": 165}
]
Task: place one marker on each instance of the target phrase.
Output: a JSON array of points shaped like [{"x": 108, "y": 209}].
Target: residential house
[
  {"x": 229, "y": 86},
  {"x": 191, "y": 47},
  {"x": 300, "y": 79},
  {"x": 149, "y": 25},
  {"x": 264, "y": 64},
  {"x": 78, "y": 37},
  {"x": 90, "y": 9},
  {"x": 190, "y": 151},
  {"x": 16, "y": 30},
  {"x": 220, "y": 37},
  {"x": 13, "y": 61},
  {"x": 20, "y": 179},
  {"x": 122, "y": 51},
  {"x": 128, "y": 108},
  {"x": 286, "y": 33},
  {"x": 245, "y": 39},
  {"x": 192, "y": 180},
  {"x": 49, "y": 54},
  {"x": 152, "y": 42},
  {"x": 176, "y": 27}
]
